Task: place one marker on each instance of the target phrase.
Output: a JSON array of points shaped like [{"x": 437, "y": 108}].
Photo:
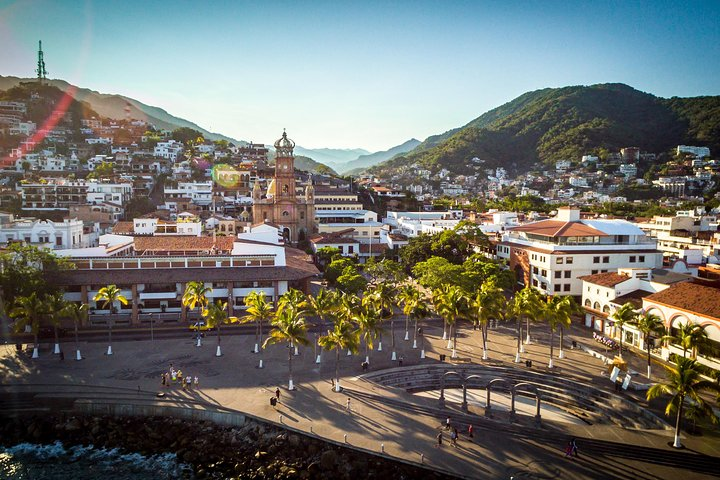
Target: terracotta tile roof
[
  {"x": 556, "y": 228},
  {"x": 607, "y": 279},
  {"x": 373, "y": 247},
  {"x": 182, "y": 243},
  {"x": 635, "y": 298},
  {"x": 123, "y": 228},
  {"x": 335, "y": 237},
  {"x": 691, "y": 297}
]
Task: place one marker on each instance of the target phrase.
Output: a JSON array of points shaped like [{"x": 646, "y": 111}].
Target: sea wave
[{"x": 27, "y": 461}]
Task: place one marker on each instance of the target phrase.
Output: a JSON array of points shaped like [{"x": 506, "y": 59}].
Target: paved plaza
[{"x": 402, "y": 424}]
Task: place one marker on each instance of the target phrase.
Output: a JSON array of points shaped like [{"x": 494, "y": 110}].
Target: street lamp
[{"x": 152, "y": 335}]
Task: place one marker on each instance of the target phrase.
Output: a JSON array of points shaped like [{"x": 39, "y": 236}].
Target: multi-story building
[
  {"x": 169, "y": 150},
  {"x": 685, "y": 231},
  {"x": 699, "y": 152},
  {"x": 69, "y": 233},
  {"x": 199, "y": 193},
  {"x": 52, "y": 193},
  {"x": 102, "y": 192},
  {"x": 153, "y": 271},
  {"x": 552, "y": 254}
]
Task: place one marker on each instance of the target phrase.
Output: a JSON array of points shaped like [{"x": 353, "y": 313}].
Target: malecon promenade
[{"x": 614, "y": 442}]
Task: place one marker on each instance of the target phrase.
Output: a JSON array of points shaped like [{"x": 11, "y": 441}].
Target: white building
[
  {"x": 552, "y": 254},
  {"x": 697, "y": 151},
  {"x": 44, "y": 233},
  {"x": 628, "y": 169},
  {"x": 170, "y": 149},
  {"x": 199, "y": 193}
]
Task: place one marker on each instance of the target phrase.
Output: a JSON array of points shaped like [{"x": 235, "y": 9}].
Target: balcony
[{"x": 643, "y": 243}]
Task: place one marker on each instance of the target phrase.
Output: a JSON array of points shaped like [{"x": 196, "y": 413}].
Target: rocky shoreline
[{"x": 253, "y": 451}]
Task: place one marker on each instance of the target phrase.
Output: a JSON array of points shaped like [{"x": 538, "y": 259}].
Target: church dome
[{"x": 284, "y": 142}]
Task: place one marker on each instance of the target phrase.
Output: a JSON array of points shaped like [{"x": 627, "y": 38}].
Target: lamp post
[{"x": 152, "y": 334}]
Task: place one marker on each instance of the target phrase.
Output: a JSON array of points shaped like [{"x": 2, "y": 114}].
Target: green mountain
[
  {"x": 565, "y": 123},
  {"x": 113, "y": 106},
  {"x": 365, "y": 161}
]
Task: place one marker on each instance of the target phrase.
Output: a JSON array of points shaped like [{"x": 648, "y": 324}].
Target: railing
[{"x": 520, "y": 239}]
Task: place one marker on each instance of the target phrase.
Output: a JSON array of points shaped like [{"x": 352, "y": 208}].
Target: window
[
  {"x": 566, "y": 287},
  {"x": 596, "y": 259},
  {"x": 535, "y": 270},
  {"x": 632, "y": 258},
  {"x": 544, "y": 273},
  {"x": 557, "y": 288},
  {"x": 588, "y": 302},
  {"x": 593, "y": 272},
  {"x": 559, "y": 260},
  {"x": 606, "y": 259},
  {"x": 558, "y": 274},
  {"x": 535, "y": 282},
  {"x": 285, "y": 213},
  {"x": 606, "y": 309},
  {"x": 596, "y": 306},
  {"x": 351, "y": 249},
  {"x": 568, "y": 260},
  {"x": 568, "y": 273},
  {"x": 543, "y": 285},
  {"x": 641, "y": 258}
]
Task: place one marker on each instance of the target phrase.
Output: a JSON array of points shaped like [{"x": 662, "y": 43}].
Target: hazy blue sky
[{"x": 358, "y": 74}]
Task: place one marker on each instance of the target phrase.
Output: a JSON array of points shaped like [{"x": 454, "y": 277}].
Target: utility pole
[{"x": 41, "y": 72}]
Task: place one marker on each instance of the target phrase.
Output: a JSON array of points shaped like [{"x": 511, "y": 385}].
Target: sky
[{"x": 359, "y": 74}]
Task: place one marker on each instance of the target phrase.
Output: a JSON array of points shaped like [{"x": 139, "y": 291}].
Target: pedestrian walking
[
  {"x": 182, "y": 384},
  {"x": 453, "y": 437},
  {"x": 180, "y": 377},
  {"x": 573, "y": 447},
  {"x": 568, "y": 449},
  {"x": 447, "y": 424},
  {"x": 277, "y": 394},
  {"x": 439, "y": 439},
  {"x": 197, "y": 382},
  {"x": 470, "y": 431},
  {"x": 348, "y": 404},
  {"x": 188, "y": 382},
  {"x": 163, "y": 380},
  {"x": 400, "y": 360}
]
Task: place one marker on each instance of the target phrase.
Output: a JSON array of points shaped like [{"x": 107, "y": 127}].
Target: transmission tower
[{"x": 41, "y": 72}]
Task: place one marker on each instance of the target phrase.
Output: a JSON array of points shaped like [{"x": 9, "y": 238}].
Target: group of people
[
  {"x": 176, "y": 376},
  {"x": 454, "y": 434}
]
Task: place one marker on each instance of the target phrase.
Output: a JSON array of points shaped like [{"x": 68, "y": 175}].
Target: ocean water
[{"x": 29, "y": 461}]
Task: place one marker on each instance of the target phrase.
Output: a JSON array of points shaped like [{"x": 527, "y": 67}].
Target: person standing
[
  {"x": 188, "y": 381},
  {"x": 277, "y": 394},
  {"x": 447, "y": 424},
  {"x": 573, "y": 447},
  {"x": 453, "y": 437},
  {"x": 348, "y": 404},
  {"x": 163, "y": 380},
  {"x": 470, "y": 431},
  {"x": 439, "y": 439},
  {"x": 197, "y": 382}
]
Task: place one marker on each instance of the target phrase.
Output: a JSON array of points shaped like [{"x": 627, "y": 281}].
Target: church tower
[{"x": 294, "y": 215}]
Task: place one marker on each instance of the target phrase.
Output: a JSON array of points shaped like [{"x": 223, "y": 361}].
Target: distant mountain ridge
[
  {"x": 113, "y": 106},
  {"x": 365, "y": 161},
  {"x": 332, "y": 157},
  {"x": 564, "y": 123}
]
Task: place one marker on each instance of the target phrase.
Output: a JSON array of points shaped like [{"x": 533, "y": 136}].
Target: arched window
[
  {"x": 286, "y": 189},
  {"x": 606, "y": 309},
  {"x": 285, "y": 213},
  {"x": 588, "y": 303},
  {"x": 596, "y": 306}
]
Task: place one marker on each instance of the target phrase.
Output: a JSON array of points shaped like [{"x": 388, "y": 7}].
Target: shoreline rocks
[{"x": 252, "y": 451}]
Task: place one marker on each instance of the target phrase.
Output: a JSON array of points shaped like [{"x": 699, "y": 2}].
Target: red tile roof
[
  {"x": 607, "y": 279},
  {"x": 182, "y": 243},
  {"x": 556, "y": 228},
  {"x": 123, "y": 228},
  {"x": 691, "y": 297}
]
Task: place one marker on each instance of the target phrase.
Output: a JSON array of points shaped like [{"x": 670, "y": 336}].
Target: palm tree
[
  {"x": 296, "y": 301},
  {"x": 436, "y": 298},
  {"x": 689, "y": 336},
  {"x": 342, "y": 336},
  {"x": 289, "y": 327},
  {"x": 258, "y": 310},
  {"x": 683, "y": 381},
  {"x": 415, "y": 306},
  {"x": 196, "y": 296},
  {"x": 215, "y": 315},
  {"x": 27, "y": 312},
  {"x": 382, "y": 295},
  {"x": 348, "y": 305},
  {"x": 322, "y": 305},
  {"x": 621, "y": 316},
  {"x": 110, "y": 295},
  {"x": 452, "y": 306},
  {"x": 558, "y": 311},
  {"x": 78, "y": 312},
  {"x": 486, "y": 304},
  {"x": 367, "y": 319},
  {"x": 529, "y": 305},
  {"x": 648, "y": 323},
  {"x": 56, "y": 305},
  {"x": 407, "y": 295}
]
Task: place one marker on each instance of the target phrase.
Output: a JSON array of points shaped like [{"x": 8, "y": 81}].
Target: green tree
[
  {"x": 78, "y": 313},
  {"x": 325, "y": 255},
  {"x": 342, "y": 336},
  {"x": 368, "y": 321},
  {"x": 528, "y": 304},
  {"x": 337, "y": 268},
  {"x": 689, "y": 336},
  {"x": 215, "y": 315},
  {"x": 25, "y": 269},
  {"x": 451, "y": 304},
  {"x": 258, "y": 310},
  {"x": 56, "y": 305},
  {"x": 27, "y": 312},
  {"x": 195, "y": 295},
  {"x": 487, "y": 303},
  {"x": 438, "y": 271},
  {"x": 558, "y": 312},
  {"x": 185, "y": 134},
  {"x": 621, "y": 316},
  {"x": 109, "y": 296},
  {"x": 288, "y": 327},
  {"x": 648, "y": 324},
  {"x": 351, "y": 281},
  {"x": 684, "y": 381},
  {"x": 385, "y": 270},
  {"x": 383, "y": 297},
  {"x": 104, "y": 170}
]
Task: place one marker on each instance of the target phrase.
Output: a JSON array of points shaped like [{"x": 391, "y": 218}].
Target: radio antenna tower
[{"x": 41, "y": 72}]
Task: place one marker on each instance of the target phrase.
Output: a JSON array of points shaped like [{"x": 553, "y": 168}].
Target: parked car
[{"x": 199, "y": 326}]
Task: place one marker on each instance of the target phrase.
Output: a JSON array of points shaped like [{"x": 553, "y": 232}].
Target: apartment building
[
  {"x": 552, "y": 254},
  {"x": 70, "y": 233}
]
